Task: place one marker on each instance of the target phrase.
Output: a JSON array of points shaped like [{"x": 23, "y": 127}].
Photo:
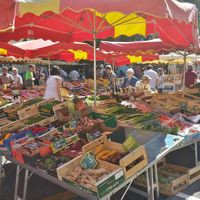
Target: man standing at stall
[
  {"x": 6, "y": 78},
  {"x": 18, "y": 82},
  {"x": 29, "y": 76},
  {"x": 190, "y": 77},
  {"x": 153, "y": 75}
]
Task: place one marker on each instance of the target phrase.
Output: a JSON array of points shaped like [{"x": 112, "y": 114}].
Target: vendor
[
  {"x": 6, "y": 78},
  {"x": 18, "y": 82},
  {"x": 111, "y": 76},
  {"x": 130, "y": 79},
  {"x": 53, "y": 85},
  {"x": 143, "y": 86}
]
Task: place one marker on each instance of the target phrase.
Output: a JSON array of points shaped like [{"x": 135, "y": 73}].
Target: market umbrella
[{"x": 176, "y": 23}]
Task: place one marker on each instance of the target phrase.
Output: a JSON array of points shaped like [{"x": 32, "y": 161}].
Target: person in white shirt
[
  {"x": 53, "y": 85},
  {"x": 161, "y": 80},
  {"x": 18, "y": 82},
  {"x": 74, "y": 75},
  {"x": 153, "y": 75}
]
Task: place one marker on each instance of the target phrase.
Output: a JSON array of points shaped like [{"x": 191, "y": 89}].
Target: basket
[{"x": 109, "y": 120}]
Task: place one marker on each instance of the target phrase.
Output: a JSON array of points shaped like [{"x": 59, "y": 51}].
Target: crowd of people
[{"x": 149, "y": 81}]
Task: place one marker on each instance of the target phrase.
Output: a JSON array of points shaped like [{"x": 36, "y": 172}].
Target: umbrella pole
[
  {"x": 184, "y": 70},
  {"x": 49, "y": 65},
  {"x": 95, "y": 70},
  {"x": 95, "y": 60}
]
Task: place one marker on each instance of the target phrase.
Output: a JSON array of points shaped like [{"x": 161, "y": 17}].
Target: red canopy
[
  {"x": 174, "y": 22},
  {"x": 7, "y": 15},
  {"x": 138, "y": 47},
  {"x": 11, "y": 50}
]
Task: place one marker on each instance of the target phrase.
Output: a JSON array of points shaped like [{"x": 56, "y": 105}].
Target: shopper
[
  {"x": 53, "y": 85},
  {"x": 153, "y": 75},
  {"x": 36, "y": 75},
  {"x": 63, "y": 75},
  {"x": 190, "y": 77},
  {"x": 42, "y": 80},
  {"x": 5, "y": 78},
  {"x": 130, "y": 79},
  {"x": 74, "y": 75},
  {"x": 111, "y": 76},
  {"x": 18, "y": 82},
  {"x": 143, "y": 86},
  {"x": 29, "y": 76},
  {"x": 161, "y": 80}
]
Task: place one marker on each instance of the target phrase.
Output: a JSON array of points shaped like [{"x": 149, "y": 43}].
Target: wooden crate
[
  {"x": 194, "y": 174},
  {"x": 46, "y": 121},
  {"x": 131, "y": 163},
  {"x": 178, "y": 184},
  {"x": 27, "y": 112},
  {"x": 4, "y": 121},
  {"x": 13, "y": 108},
  {"x": 103, "y": 186},
  {"x": 16, "y": 125}
]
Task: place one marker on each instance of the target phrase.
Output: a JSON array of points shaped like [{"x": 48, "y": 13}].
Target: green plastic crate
[{"x": 109, "y": 120}]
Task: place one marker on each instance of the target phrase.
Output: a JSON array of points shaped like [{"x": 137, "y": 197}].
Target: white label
[{"x": 119, "y": 174}]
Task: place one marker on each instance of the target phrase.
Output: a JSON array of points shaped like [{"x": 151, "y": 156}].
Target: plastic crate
[{"x": 109, "y": 120}]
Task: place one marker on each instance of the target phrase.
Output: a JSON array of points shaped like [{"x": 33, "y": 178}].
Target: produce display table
[
  {"x": 153, "y": 132},
  {"x": 157, "y": 148}
]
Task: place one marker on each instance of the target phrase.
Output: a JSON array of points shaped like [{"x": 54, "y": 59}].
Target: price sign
[
  {"x": 129, "y": 143},
  {"x": 58, "y": 144},
  {"x": 88, "y": 161}
]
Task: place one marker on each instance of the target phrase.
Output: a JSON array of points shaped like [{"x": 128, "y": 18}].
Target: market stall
[{"x": 97, "y": 151}]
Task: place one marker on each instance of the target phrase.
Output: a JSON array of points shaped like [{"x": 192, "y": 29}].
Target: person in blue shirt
[{"x": 130, "y": 79}]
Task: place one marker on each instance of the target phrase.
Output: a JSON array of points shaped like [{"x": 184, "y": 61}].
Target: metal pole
[
  {"x": 156, "y": 180},
  {"x": 1, "y": 169},
  {"x": 17, "y": 182},
  {"x": 25, "y": 184},
  {"x": 49, "y": 65},
  {"x": 95, "y": 60},
  {"x": 196, "y": 153},
  {"x": 184, "y": 70}
]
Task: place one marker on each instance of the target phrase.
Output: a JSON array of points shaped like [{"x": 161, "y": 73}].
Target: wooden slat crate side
[
  {"x": 13, "y": 108},
  {"x": 138, "y": 160},
  {"x": 27, "y": 112},
  {"x": 194, "y": 174},
  {"x": 176, "y": 185}
]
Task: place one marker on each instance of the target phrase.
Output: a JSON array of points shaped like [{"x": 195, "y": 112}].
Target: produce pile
[
  {"x": 32, "y": 101},
  {"x": 167, "y": 175},
  {"x": 51, "y": 163},
  {"x": 86, "y": 177},
  {"x": 47, "y": 108},
  {"x": 33, "y": 120},
  {"x": 111, "y": 156}
]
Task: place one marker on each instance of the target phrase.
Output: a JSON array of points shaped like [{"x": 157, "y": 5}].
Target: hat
[
  {"x": 146, "y": 77},
  {"x": 108, "y": 67}
]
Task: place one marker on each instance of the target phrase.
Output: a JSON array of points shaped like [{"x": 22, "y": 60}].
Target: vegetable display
[
  {"x": 33, "y": 120},
  {"x": 111, "y": 156},
  {"x": 87, "y": 178}
]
